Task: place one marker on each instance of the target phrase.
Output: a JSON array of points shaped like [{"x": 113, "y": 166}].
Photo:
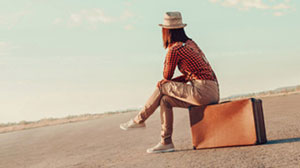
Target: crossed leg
[
  {"x": 178, "y": 90},
  {"x": 167, "y": 97}
]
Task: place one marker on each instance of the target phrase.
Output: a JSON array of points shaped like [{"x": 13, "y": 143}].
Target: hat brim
[{"x": 173, "y": 26}]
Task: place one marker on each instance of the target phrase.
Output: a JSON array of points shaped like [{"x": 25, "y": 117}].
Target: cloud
[
  {"x": 57, "y": 21},
  {"x": 281, "y": 6},
  {"x": 126, "y": 15},
  {"x": 128, "y": 4},
  {"x": 278, "y": 13},
  {"x": 9, "y": 20},
  {"x": 91, "y": 16},
  {"x": 278, "y": 7},
  {"x": 129, "y": 27}
]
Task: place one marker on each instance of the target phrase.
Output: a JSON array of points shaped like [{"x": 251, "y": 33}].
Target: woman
[{"x": 176, "y": 92}]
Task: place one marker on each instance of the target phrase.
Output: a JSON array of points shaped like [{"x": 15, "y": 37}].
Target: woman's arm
[
  {"x": 180, "y": 78},
  {"x": 170, "y": 64}
]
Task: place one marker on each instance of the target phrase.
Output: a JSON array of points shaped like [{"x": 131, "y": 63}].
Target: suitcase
[{"x": 233, "y": 123}]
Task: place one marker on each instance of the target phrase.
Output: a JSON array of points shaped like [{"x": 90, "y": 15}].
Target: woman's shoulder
[
  {"x": 176, "y": 46},
  {"x": 192, "y": 44}
]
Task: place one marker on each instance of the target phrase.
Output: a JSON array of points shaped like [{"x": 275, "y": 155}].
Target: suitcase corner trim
[{"x": 261, "y": 137}]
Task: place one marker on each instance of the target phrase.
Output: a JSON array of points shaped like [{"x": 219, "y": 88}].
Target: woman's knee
[
  {"x": 165, "y": 88},
  {"x": 165, "y": 101}
]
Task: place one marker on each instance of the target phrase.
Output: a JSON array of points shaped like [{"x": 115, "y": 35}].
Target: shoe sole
[
  {"x": 123, "y": 128},
  {"x": 162, "y": 151},
  {"x": 126, "y": 129}
]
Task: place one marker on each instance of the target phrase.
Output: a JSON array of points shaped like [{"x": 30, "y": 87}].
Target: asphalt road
[{"x": 101, "y": 143}]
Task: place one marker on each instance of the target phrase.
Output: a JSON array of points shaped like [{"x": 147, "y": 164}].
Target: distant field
[
  {"x": 8, "y": 127},
  {"x": 276, "y": 92}
]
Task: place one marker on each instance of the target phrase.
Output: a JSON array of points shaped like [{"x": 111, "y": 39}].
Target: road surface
[{"x": 100, "y": 143}]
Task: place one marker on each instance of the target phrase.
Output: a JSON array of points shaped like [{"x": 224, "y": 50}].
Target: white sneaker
[
  {"x": 159, "y": 148},
  {"x": 131, "y": 124}
]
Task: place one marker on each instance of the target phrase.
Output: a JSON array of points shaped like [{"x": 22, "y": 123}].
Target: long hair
[{"x": 173, "y": 35}]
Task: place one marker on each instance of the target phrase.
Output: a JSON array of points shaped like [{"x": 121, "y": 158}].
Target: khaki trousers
[{"x": 177, "y": 94}]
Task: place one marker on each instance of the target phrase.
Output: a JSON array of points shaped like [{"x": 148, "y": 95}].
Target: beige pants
[{"x": 177, "y": 94}]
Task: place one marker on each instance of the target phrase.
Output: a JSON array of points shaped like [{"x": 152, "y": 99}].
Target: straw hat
[{"x": 172, "y": 20}]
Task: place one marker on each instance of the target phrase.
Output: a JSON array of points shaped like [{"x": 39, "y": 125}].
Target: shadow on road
[
  {"x": 270, "y": 142},
  {"x": 183, "y": 150},
  {"x": 279, "y": 141}
]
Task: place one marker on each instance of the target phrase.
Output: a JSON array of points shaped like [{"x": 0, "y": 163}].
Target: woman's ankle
[
  {"x": 166, "y": 142},
  {"x": 136, "y": 120}
]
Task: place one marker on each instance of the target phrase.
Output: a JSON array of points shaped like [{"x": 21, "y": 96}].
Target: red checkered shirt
[{"x": 191, "y": 62}]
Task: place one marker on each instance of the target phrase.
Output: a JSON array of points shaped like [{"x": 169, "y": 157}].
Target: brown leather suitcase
[{"x": 233, "y": 123}]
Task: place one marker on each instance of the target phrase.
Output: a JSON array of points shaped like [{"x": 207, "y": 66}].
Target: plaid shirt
[{"x": 191, "y": 62}]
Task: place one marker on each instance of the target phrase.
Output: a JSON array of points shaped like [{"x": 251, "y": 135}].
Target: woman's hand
[{"x": 159, "y": 83}]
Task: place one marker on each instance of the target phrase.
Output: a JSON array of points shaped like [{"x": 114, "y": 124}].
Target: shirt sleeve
[
  {"x": 180, "y": 79},
  {"x": 170, "y": 64}
]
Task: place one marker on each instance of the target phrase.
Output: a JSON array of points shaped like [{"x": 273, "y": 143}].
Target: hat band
[
  {"x": 173, "y": 22},
  {"x": 173, "y": 26},
  {"x": 172, "y": 18}
]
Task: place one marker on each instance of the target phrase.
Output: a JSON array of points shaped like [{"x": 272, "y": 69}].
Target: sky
[{"x": 71, "y": 57}]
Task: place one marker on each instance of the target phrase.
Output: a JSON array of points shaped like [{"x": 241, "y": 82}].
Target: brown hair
[{"x": 173, "y": 35}]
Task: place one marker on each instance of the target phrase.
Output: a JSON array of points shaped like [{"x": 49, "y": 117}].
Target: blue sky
[{"x": 70, "y": 57}]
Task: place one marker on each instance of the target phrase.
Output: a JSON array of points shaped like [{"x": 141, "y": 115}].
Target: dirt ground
[{"x": 100, "y": 143}]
